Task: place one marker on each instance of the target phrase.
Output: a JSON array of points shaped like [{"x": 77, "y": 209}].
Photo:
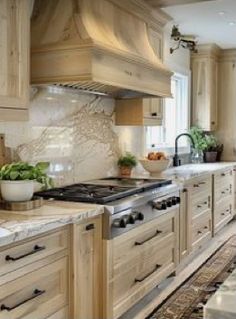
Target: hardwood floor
[{"x": 188, "y": 267}]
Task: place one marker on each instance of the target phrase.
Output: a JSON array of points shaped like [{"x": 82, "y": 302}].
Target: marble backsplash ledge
[{"x": 75, "y": 132}]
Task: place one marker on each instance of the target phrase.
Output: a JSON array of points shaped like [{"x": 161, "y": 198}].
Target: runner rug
[{"x": 187, "y": 301}]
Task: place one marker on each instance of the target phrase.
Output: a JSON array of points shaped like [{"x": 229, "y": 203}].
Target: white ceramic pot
[{"x": 17, "y": 191}]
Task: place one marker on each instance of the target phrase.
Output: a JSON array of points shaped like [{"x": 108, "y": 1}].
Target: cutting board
[{"x": 4, "y": 151}]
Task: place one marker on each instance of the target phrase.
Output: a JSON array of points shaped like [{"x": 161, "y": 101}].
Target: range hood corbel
[{"x": 97, "y": 46}]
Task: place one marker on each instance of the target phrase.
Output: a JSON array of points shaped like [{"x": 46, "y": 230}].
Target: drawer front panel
[
  {"x": 223, "y": 191},
  {"x": 38, "y": 294},
  {"x": 142, "y": 240},
  {"x": 224, "y": 177},
  {"x": 23, "y": 254},
  {"x": 142, "y": 276},
  {"x": 223, "y": 214},
  {"x": 201, "y": 204},
  {"x": 201, "y": 187},
  {"x": 201, "y": 228}
]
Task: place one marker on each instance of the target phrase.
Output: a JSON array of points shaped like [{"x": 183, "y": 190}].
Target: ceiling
[{"x": 211, "y": 21}]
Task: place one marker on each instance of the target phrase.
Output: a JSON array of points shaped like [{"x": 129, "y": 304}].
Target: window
[{"x": 175, "y": 119}]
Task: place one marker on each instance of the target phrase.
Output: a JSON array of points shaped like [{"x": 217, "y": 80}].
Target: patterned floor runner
[{"x": 187, "y": 301}]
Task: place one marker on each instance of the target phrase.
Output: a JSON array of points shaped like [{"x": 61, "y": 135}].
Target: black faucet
[{"x": 176, "y": 160}]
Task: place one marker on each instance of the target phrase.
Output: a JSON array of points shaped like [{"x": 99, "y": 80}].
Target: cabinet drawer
[
  {"x": 201, "y": 204},
  {"x": 143, "y": 276},
  {"x": 201, "y": 229},
  {"x": 200, "y": 187},
  {"x": 225, "y": 176},
  {"x": 223, "y": 213},
  {"x": 222, "y": 191},
  {"x": 23, "y": 254},
  {"x": 141, "y": 240},
  {"x": 38, "y": 294}
]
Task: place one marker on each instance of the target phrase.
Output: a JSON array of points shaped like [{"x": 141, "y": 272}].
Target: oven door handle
[
  {"x": 148, "y": 275},
  {"x": 140, "y": 243}
]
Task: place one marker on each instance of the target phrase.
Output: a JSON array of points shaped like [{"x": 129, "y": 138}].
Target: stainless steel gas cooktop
[{"x": 104, "y": 190}]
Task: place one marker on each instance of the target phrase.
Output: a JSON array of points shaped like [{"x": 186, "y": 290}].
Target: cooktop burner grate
[{"x": 102, "y": 191}]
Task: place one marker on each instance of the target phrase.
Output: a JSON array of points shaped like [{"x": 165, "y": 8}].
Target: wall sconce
[{"x": 184, "y": 41}]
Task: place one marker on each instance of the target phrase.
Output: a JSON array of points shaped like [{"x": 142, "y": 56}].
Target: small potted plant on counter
[
  {"x": 213, "y": 149},
  {"x": 126, "y": 163},
  {"x": 18, "y": 179}
]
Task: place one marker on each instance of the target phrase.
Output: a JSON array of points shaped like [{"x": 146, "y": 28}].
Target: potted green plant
[
  {"x": 126, "y": 163},
  {"x": 212, "y": 148},
  {"x": 17, "y": 180}
]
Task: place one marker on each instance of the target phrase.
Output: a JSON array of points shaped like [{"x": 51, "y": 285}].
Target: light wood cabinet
[
  {"x": 199, "y": 211},
  {"x": 204, "y": 65},
  {"x": 87, "y": 269},
  {"x": 14, "y": 62},
  {"x": 34, "y": 277},
  {"x": 139, "y": 260},
  {"x": 139, "y": 112},
  {"x": 223, "y": 204}
]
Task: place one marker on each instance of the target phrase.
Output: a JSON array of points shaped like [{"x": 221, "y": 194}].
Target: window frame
[{"x": 170, "y": 149}]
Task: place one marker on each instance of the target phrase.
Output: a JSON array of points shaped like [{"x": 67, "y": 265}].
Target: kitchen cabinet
[
  {"x": 14, "y": 63},
  {"x": 204, "y": 66},
  {"x": 34, "y": 277},
  {"x": 87, "y": 269},
  {"x": 139, "y": 112},
  {"x": 223, "y": 205},
  {"x": 139, "y": 260},
  {"x": 199, "y": 206}
]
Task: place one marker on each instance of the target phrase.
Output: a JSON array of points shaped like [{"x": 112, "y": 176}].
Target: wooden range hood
[{"x": 101, "y": 46}]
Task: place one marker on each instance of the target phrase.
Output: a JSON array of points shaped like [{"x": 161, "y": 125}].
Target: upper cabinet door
[
  {"x": 14, "y": 56},
  {"x": 204, "y": 90}
]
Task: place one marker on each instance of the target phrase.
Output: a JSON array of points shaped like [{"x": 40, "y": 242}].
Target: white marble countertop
[
  {"x": 222, "y": 304},
  {"x": 15, "y": 226},
  {"x": 187, "y": 172}
]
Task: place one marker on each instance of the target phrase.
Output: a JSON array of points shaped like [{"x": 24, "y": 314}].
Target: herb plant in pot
[
  {"x": 126, "y": 163},
  {"x": 211, "y": 149},
  {"x": 18, "y": 179}
]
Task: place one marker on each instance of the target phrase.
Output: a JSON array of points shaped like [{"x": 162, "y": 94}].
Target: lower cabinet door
[{"x": 38, "y": 294}]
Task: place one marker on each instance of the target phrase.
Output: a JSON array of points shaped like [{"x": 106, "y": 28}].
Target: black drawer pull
[
  {"x": 206, "y": 227},
  {"x": 36, "y": 293},
  {"x": 149, "y": 274},
  {"x": 222, "y": 174},
  {"x": 35, "y": 250},
  {"x": 90, "y": 227},
  {"x": 199, "y": 206},
  {"x": 195, "y": 185},
  {"x": 139, "y": 243},
  {"x": 154, "y": 114},
  {"x": 199, "y": 232}
]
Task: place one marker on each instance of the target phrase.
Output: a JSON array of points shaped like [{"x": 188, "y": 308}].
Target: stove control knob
[
  {"x": 163, "y": 205},
  {"x": 118, "y": 223},
  {"x": 177, "y": 199},
  {"x": 121, "y": 222},
  {"x": 140, "y": 216},
  {"x": 174, "y": 200},
  {"x": 132, "y": 218},
  {"x": 169, "y": 202},
  {"x": 157, "y": 205}
]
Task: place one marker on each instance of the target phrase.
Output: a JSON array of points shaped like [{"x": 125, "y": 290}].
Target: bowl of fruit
[{"x": 155, "y": 162}]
